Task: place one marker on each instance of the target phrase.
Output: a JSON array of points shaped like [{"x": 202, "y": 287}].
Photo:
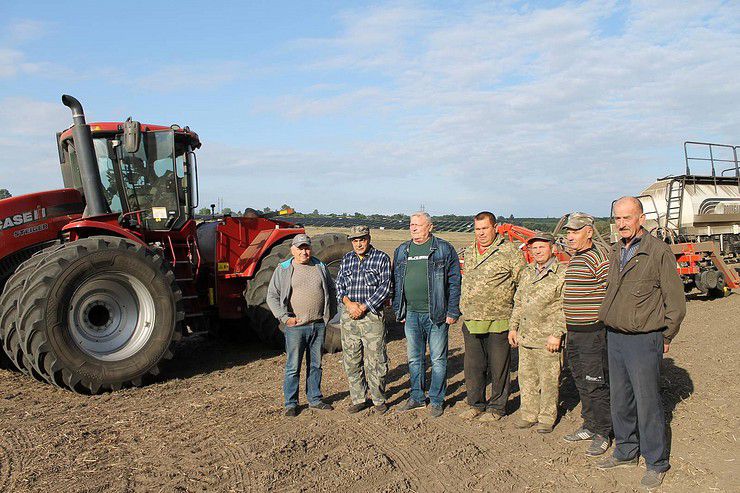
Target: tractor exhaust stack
[{"x": 88, "y": 163}]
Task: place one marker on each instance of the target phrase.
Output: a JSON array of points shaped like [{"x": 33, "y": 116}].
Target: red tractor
[{"x": 101, "y": 278}]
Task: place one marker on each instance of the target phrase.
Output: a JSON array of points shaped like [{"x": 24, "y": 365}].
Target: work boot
[
  {"x": 612, "y": 463},
  {"x": 652, "y": 479},
  {"x": 544, "y": 428},
  {"x": 411, "y": 404},
  {"x": 322, "y": 406},
  {"x": 470, "y": 413},
  {"x": 491, "y": 416},
  {"x": 291, "y": 412},
  {"x": 356, "y": 408},
  {"x": 599, "y": 445},
  {"x": 381, "y": 408},
  {"x": 581, "y": 433},
  {"x": 523, "y": 424}
]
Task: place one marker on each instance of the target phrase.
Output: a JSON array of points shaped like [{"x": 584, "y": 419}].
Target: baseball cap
[
  {"x": 541, "y": 236},
  {"x": 578, "y": 220},
  {"x": 301, "y": 239},
  {"x": 358, "y": 232}
]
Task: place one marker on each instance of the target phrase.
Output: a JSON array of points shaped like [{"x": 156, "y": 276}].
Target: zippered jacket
[
  {"x": 279, "y": 290},
  {"x": 444, "y": 280},
  {"x": 538, "y": 305},
  {"x": 647, "y": 294}
]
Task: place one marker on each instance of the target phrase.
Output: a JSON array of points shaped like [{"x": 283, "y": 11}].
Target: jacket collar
[
  {"x": 492, "y": 248},
  {"x": 289, "y": 262},
  {"x": 433, "y": 247}
]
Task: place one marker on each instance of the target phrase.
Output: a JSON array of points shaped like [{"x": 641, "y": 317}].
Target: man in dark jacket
[
  {"x": 427, "y": 300},
  {"x": 643, "y": 309}
]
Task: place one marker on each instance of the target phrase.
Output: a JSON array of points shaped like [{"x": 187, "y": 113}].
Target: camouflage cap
[
  {"x": 301, "y": 239},
  {"x": 358, "y": 232},
  {"x": 578, "y": 220},
  {"x": 541, "y": 236}
]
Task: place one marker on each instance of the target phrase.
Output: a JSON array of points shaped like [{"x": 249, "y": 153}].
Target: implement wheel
[
  {"x": 329, "y": 248},
  {"x": 100, "y": 313}
]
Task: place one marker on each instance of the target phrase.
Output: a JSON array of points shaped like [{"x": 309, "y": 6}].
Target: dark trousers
[
  {"x": 637, "y": 409},
  {"x": 589, "y": 365},
  {"x": 484, "y": 354}
]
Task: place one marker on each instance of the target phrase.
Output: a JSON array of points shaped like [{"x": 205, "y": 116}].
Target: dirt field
[{"x": 213, "y": 422}]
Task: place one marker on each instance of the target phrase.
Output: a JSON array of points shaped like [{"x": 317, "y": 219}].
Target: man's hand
[
  {"x": 553, "y": 344},
  {"x": 513, "y": 338},
  {"x": 666, "y": 347},
  {"x": 293, "y": 321},
  {"x": 355, "y": 310},
  {"x": 450, "y": 320}
]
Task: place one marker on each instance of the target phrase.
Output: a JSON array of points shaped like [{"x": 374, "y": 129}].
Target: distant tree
[
  {"x": 501, "y": 219},
  {"x": 226, "y": 210},
  {"x": 359, "y": 215},
  {"x": 266, "y": 209},
  {"x": 4, "y": 194},
  {"x": 285, "y": 206},
  {"x": 315, "y": 212},
  {"x": 204, "y": 211}
]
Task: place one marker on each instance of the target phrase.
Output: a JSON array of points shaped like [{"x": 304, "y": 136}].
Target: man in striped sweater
[{"x": 585, "y": 288}]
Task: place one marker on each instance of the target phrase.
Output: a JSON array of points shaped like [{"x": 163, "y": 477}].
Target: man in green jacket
[
  {"x": 536, "y": 327},
  {"x": 643, "y": 310},
  {"x": 491, "y": 269}
]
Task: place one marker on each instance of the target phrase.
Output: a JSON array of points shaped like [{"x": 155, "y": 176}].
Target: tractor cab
[{"x": 147, "y": 172}]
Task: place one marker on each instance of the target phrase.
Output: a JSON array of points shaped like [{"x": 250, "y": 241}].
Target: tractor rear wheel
[
  {"x": 100, "y": 313},
  {"x": 9, "y": 312},
  {"x": 329, "y": 248}
]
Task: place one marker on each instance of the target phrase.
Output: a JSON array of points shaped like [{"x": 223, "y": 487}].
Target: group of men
[{"x": 615, "y": 314}]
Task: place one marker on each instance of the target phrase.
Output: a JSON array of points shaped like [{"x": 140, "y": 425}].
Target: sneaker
[
  {"x": 381, "y": 408},
  {"x": 523, "y": 424},
  {"x": 356, "y": 408},
  {"x": 436, "y": 411},
  {"x": 598, "y": 446},
  {"x": 612, "y": 462},
  {"x": 544, "y": 428},
  {"x": 411, "y": 404},
  {"x": 291, "y": 412},
  {"x": 322, "y": 406},
  {"x": 578, "y": 435},
  {"x": 652, "y": 479},
  {"x": 491, "y": 416},
  {"x": 470, "y": 413}
]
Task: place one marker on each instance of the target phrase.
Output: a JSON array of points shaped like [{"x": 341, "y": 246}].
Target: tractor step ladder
[{"x": 675, "y": 205}]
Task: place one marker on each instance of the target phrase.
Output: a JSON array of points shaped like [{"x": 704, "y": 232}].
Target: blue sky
[{"x": 524, "y": 108}]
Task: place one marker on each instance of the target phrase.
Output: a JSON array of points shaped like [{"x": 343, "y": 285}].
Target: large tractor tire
[
  {"x": 99, "y": 314},
  {"x": 12, "y": 351},
  {"x": 329, "y": 248}
]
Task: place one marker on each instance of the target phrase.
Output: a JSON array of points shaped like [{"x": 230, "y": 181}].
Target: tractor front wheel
[{"x": 99, "y": 314}]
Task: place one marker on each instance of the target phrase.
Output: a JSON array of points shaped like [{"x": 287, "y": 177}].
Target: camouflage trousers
[
  {"x": 364, "y": 357},
  {"x": 539, "y": 374}
]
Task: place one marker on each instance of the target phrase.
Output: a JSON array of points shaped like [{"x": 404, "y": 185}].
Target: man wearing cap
[
  {"x": 363, "y": 286},
  {"x": 643, "y": 310},
  {"x": 491, "y": 270},
  {"x": 426, "y": 270},
  {"x": 536, "y": 327},
  {"x": 585, "y": 287},
  {"x": 302, "y": 296}
]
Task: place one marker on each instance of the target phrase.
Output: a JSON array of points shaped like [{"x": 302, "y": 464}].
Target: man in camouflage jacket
[
  {"x": 536, "y": 327},
  {"x": 491, "y": 269}
]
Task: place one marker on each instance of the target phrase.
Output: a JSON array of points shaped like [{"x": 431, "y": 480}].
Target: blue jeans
[
  {"x": 419, "y": 329},
  {"x": 637, "y": 409},
  {"x": 298, "y": 340}
]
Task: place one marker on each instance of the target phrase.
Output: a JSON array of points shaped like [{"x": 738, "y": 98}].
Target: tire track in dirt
[{"x": 13, "y": 448}]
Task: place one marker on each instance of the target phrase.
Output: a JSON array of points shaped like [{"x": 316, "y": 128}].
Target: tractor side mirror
[{"x": 131, "y": 136}]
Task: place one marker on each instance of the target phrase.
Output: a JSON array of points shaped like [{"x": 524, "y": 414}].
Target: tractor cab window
[
  {"x": 106, "y": 156},
  {"x": 150, "y": 180}
]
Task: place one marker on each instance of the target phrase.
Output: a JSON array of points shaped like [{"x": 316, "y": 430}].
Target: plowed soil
[{"x": 212, "y": 421}]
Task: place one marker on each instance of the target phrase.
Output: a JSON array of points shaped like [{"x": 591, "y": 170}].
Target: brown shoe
[
  {"x": 490, "y": 417},
  {"x": 524, "y": 424},
  {"x": 470, "y": 413}
]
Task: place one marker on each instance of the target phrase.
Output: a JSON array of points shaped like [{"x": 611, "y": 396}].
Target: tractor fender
[{"x": 85, "y": 228}]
